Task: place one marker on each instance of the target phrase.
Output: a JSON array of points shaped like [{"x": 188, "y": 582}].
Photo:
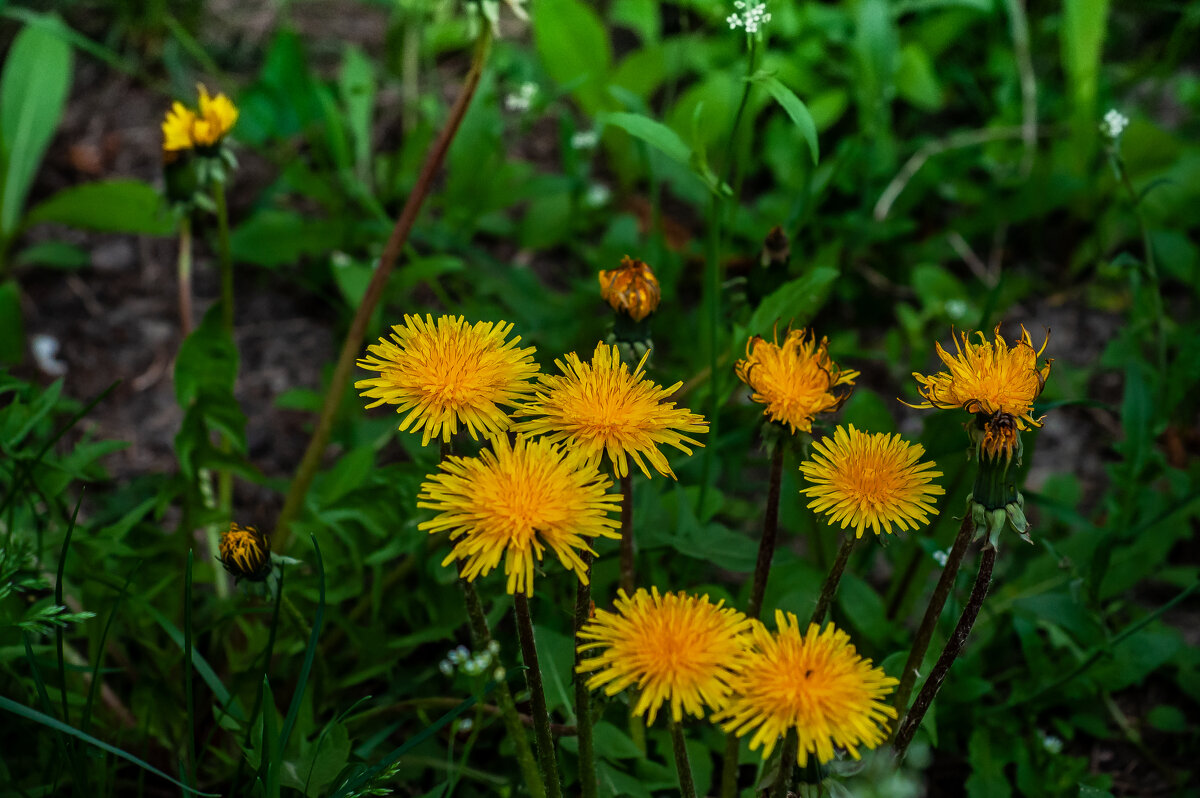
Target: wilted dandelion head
[
  {"x": 447, "y": 373},
  {"x": 601, "y": 407},
  {"x": 675, "y": 649},
  {"x": 988, "y": 377},
  {"x": 795, "y": 380},
  {"x": 631, "y": 288},
  {"x": 513, "y": 503},
  {"x": 815, "y": 683},
  {"x": 870, "y": 481}
]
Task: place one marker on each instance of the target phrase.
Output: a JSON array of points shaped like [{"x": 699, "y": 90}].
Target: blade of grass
[
  {"x": 271, "y": 759},
  {"x": 266, "y": 665},
  {"x": 56, "y": 725},
  {"x": 198, "y": 662},
  {"x": 96, "y": 671},
  {"x": 289, "y": 721},
  {"x": 188, "y": 692}
]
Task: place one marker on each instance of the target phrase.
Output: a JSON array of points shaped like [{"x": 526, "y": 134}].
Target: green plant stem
[
  {"x": 583, "y": 696},
  {"x": 732, "y": 163},
  {"x": 188, "y": 691},
  {"x": 712, "y": 311},
  {"x": 829, "y": 588},
  {"x": 225, "y": 475},
  {"x": 933, "y": 611},
  {"x": 787, "y": 765},
  {"x": 627, "y": 567},
  {"x": 954, "y": 647},
  {"x": 1160, "y": 339},
  {"x": 683, "y": 766},
  {"x": 481, "y": 636},
  {"x": 766, "y": 546},
  {"x": 758, "y": 589},
  {"x": 351, "y": 344},
  {"x": 184, "y": 268},
  {"x": 537, "y": 698}
]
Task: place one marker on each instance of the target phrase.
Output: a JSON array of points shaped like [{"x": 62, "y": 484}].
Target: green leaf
[
  {"x": 987, "y": 758},
  {"x": 54, "y": 255},
  {"x": 654, "y": 133},
  {"x": 1168, "y": 718},
  {"x": 574, "y": 46},
  {"x": 274, "y": 237},
  {"x": 795, "y": 108},
  {"x": 356, "y": 84},
  {"x": 12, "y": 328},
  {"x": 916, "y": 79},
  {"x": 612, "y": 743},
  {"x": 796, "y": 301},
  {"x": 1084, "y": 23},
  {"x": 33, "y": 89},
  {"x": 207, "y": 362},
  {"x": 556, "y": 654},
  {"x": 112, "y": 206}
]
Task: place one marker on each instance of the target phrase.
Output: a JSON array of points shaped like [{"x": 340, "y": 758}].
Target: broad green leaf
[
  {"x": 795, "y": 302},
  {"x": 208, "y": 360},
  {"x": 654, "y": 133},
  {"x": 574, "y": 46},
  {"x": 356, "y": 84},
  {"x": 114, "y": 206},
  {"x": 1084, "y": 23},
  {"x": 33, "y": 89},
  {"x": 916, "y": 79},
  {"x": 988, "y": 758},
  {"x": 274, "y": 237},
  {"x": 556, "y": 655},
  {"x": 796, "y": 109},
  {"x": 53, "y": 254}
]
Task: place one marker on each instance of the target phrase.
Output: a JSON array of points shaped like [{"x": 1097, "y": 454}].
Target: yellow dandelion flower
[
  {"x": 631, "y": 288},
  {"x": 514, "y": 502},
  {"x": 796, "y": 380},
  {"x": 449, "y": 372},
  {"x": 217, "y": 117},
  {"x": 674, "y": 648},
  {"x": 815, "y": 683},
  {"x": 602, "y": 407},
  {"x": 988, "y": 377},
  {"x": 865, "y": 480},
  {"x": 245, "y": 552},
  {"x": 1000, "y": 437},
  {"x": 177, "y": 128}
]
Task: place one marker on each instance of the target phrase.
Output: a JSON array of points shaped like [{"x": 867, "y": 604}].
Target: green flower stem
[
  {"x": 711, "y": 301},
  {"x": 829, "y": 589},
  {"x": 762, "y": 569},
  {"x": 537, "y": 698},
  {"x": 352, "y": 343},
  {"x": 954, "y": 647},
  {"x": 627, "y": 578},
  {"x": 184, "y": 269},
  {"x": 683, "y": 766},
  {"x": 225, "y": 475},
  {"x": 766, "y": 546},
  {"x": 933, "y": 611},
  {"x": 787, "y": 765},
  {"x": 481, "y": 636},
  {"x": 583, "y": 697}
]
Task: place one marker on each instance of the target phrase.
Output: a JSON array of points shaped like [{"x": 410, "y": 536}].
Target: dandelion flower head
[
  {"x": 815, "y": 683},
  {"x": 602, "y": 407},
  {"x": 989, "y": 377},
  {"x": 631, "y": 288},
  {"x": 515, "y": 501},
  {"x": 675, "y": 649},
  {"x": 449, "y": 372},
  {"x": 245, "y": 552},
  {"x": 796, "y": 380},
  {"x": 184, "y": 128},
  {"x": 871, "y": 481}
]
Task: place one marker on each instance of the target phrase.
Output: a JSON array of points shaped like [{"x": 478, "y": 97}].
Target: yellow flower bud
[{"x": 631, "y": 288}]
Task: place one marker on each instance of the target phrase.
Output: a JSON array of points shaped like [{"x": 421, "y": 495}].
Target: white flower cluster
[
  {"x": 472, "y": 664},
  {"x": 584, "y": 140},
  {"x": 1114, "y": 124},
  {"x": 523, "y": 98},
  {"x": 750, "y": 16},
  {"x": 1052, "y": 744},
  {"x": 940, "y": 557}
]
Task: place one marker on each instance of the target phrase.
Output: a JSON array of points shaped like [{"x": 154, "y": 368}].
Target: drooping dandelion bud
[{"x": 631, "y": 289}]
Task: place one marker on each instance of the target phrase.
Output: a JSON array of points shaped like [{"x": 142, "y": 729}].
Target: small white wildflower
[
  {"x": 957, "y": 308},
  {"x": 493, "y": 647},
  {"x": 1114, "y": 124},
  {"x": 45, "y": 354},
  {"x": 940, "y": 557},
  {"x": 522, "y": 99},
  {"x": 597, "y": 196},
  {"x": 464, "y": 724},
  {"x": 1051, "y": 743},
  {"x": 749, "y": 16},
  {"x": 446, "y": 667},
  {"x": 471, "y": 668},
  {"x": 584, "y": 140},
  {"x": 499, "y": 674}
]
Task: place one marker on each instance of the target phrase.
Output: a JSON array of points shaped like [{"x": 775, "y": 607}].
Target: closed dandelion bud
[
  {"x": 246, "y": 553},
  {"x": 995, "y": 499},
  {"x": 631, "y": 289}
]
